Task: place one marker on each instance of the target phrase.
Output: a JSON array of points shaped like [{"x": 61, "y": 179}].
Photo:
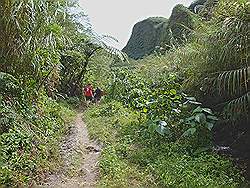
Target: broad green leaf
[
  {"x": 163, "y": 130},
  {"x": 201, "y": 118},
  {"x": 190, "y": 118},
  {"x": 213, "y": 118},
  {"x": 151, "y": 126},
  {"x": 190, "y": 98},
  {"x": 209, "y": 111},
  {"x": 197, "y": 110},
  {"x": 209, "y": 126},
  {"x": 194, "y": 102},
  {"x": 189, "y": 132}
]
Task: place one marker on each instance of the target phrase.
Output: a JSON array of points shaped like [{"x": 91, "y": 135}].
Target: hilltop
[{"x": 160, "y": 34}]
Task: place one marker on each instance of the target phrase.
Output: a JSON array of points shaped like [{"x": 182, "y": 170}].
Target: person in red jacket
[{"x": 88, "y": 92}]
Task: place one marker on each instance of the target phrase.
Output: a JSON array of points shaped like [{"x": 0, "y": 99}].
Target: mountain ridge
[{"x": 154, "y": 33}]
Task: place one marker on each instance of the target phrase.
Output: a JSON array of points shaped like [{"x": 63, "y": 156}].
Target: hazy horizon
[{"x": 117, "y": 18}]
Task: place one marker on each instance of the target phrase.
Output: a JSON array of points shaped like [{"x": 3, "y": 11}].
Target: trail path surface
[{"x": 80, "y": 159}]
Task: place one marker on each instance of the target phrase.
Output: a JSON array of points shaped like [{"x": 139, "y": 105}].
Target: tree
[{"x": 229, "y": 54}]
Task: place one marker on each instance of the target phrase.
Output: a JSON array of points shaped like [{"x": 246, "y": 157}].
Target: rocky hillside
[
  {"x": 155, "y": 32},
  {"x": 146, "y": 35},
  {"x": 181, "y": 23}
]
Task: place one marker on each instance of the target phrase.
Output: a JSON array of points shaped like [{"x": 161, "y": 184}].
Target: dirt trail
[{"x": 80, "y": 159}]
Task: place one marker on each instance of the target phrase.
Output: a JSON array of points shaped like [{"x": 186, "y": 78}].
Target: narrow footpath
[{"x": 80, "y": 158}]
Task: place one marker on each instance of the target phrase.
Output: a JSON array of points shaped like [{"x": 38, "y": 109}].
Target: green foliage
[
  {"x": 201, "y": 118},
  {"x": 219, "y": 72},
  {"x": 45, "y": 51},
  {"x": 134, "y": 157},
  {"x": 161, "y": 34},
  {"x": 29, "y": 139},
  {"x": 155, "y": 135},
  {"x": 213, "y": 66},
  {"x": 203, "y": 170},
  {"x": 171, "y": 137},
  {"x": 77, "y": 58},
  {"x": 30, "y": 122},
  {"x": 162, "y": 106},
  {"x": 181, "y": 24},
  {"x": 33, "y": 29},
  {"x": 8, "y": 84}
]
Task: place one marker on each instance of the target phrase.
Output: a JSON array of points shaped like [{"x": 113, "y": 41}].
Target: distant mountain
[{"x": 161, "y": 32}]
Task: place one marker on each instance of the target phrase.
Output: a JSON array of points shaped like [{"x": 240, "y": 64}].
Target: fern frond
[{"x": 104, "y": 42}]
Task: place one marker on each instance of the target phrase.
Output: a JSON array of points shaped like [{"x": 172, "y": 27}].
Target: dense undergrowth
[
  {"x": 134, "y": 157},
  {"x": 45, "y": 48},
  {"x": 160, "y": 113},
  {"x": 29, "y": 149},
  {"x": 163, "y": 114}
]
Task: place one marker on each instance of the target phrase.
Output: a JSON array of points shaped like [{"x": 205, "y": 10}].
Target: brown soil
[{"x": 80, "y": 159}]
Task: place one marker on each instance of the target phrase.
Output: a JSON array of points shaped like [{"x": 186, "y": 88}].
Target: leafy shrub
[
  {"x": 74, "y": 101},
  {"x": 29, "y": 144},
  {"x": 134, "y": 157},
  {"x": 162, "y": 105}
]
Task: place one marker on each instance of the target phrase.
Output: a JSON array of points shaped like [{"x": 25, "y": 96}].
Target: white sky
[{"x": 117, "y": 17}]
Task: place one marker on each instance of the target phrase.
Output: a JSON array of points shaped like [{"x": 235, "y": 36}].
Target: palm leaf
[
  {"x": 238, "y": 107},
  {"x": 104, "y": 42},
  {"x": 233, "y": 82}
]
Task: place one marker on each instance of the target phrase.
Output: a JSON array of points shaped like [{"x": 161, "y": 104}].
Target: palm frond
[
  {"x": 238, "y": 108},
  {"x": 233, "y": 88},
  {"x": 102, "y": 41},
  {"x": 233, "y": 82}
]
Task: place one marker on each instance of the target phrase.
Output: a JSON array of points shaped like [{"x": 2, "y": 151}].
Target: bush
[
  {"x": 134, "y": 157},
  {"x": 29, "y": 145}
]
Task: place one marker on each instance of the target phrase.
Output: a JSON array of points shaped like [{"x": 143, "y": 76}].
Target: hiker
[
  {"x": 88, "y": 93},
  {"x": 98, "y": 95}
]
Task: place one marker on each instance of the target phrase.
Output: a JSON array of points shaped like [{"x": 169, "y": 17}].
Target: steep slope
[
  {"x": 197, "y": 5},
  {"x": 181, "y": 22},
  {"x": 203, "y": 7},
  {"x": 146, "y": 35},
  {"x": 158, "y": 31}
]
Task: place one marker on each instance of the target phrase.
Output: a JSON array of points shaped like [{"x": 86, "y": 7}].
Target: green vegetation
[
  {"x": 160, "y": 34},
  {"x": 162, "y": 128},
  {"x": 45, "y": 49},
  {"x": 30, "y": 146},
  {"x": 163, "y": 115},
  {"x": 135, "y": 157}
]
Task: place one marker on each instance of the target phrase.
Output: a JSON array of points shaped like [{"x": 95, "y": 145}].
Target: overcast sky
[{"x": 117, "y": 17}]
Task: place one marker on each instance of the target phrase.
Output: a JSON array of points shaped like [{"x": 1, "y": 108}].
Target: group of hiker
[{"x": 92, "y": 95}]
